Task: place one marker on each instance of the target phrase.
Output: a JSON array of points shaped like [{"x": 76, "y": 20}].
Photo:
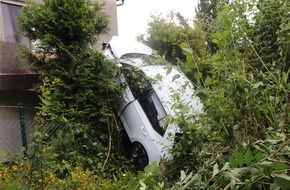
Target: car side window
[
  {"x": 147, "y": 97},
  {"x": 154, "y": 111},
  {"x": 136, "y": 80}
]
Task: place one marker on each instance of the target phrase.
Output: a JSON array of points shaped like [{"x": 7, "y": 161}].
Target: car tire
[{"x": 139, "y": 156}]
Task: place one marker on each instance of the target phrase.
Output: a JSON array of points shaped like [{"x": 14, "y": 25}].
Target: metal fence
[{"x": 16, "y": 125}]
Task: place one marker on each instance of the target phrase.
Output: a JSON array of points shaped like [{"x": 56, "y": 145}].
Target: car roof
[{"x": 121, "y": 47}]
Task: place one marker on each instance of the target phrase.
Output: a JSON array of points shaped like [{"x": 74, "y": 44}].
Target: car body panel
[
  {"x": 121, "y": 47},
  {"x": 147, "y": 100}
]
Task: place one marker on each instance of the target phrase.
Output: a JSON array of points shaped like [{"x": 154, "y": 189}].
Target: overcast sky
[{"x": 134, "y": 15}]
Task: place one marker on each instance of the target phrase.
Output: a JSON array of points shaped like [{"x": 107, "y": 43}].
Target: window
[
  {"x": 154, "y": 111},
  {"x": 136, "y": 80},
  {"x": 10, "y": 12},
  {"x": 147, "y": 97}
]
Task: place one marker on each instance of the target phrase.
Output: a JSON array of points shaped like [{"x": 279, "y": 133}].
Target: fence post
[{"x": 22, "y": 128}]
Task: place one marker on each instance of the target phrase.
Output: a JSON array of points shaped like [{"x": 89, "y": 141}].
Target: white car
[{"x": 152, "y": 94}]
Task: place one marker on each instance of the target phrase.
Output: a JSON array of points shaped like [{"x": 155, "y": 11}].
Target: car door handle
[
  {"x": 143, "y": 131},
  {"x": 125, "y": 97}
]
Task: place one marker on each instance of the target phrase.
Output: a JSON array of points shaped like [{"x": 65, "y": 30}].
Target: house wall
[
  {"x": 110, "y": 9},
  {"x": 9, "y": 51},
  {"x": 1, "y": 28}
]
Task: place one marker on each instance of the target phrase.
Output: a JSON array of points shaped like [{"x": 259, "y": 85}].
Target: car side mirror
[{"x": 122, "y": 2}]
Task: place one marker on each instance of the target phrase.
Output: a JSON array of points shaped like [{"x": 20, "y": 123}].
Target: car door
[{"x": 130, "y": 111}]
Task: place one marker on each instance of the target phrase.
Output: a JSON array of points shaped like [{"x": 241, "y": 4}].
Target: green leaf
[
  {"x": 177, "y": 76},
  {"x": 215, "y": 41},
  {"x": 216, "y": 36},
  {"x": 183, "y": 45},
  {"x": 249, "y": 157},
  {"x": 143, "y": 185},
  {"x": 279, "y": 166},
  {"x": 189, "y": 64},
  {"x": 188, "y": 178},
  {"x": 257, "y": 85},
  {"x": 168, "y": 71},
  {"x": 282, "y": 180},
  {"x": 3, "y": 153},
  {"x": 208, "y": 81},
  {"x": 266, "y": 167},
  {"x": 233, "y": 162},
  {"x": 152, "y": 168},
  {"x": 228, "y": 23},
  {"x": 217, "y": 57},
  {"x": 197, "y": 75},
  {"x": 187, "y": 51},
  {"x": 259, "y": 156},
  {"x": 239, "y": 158}
]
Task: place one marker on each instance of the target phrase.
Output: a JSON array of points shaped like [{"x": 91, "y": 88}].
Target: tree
[
  {"x": 166, "y": 34},
  {"x": 206, "y": 13},
  {"x": 245, "y": 95},
  {"x": 77, "y": 81},
  {"x": 268, "y": 34}
]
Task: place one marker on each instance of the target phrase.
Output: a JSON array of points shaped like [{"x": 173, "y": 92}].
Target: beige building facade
[{"x": 16, "y": 79}]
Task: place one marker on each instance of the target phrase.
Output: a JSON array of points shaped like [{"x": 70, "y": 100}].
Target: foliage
[
  {"x": 240, "y": 141},
  {"x": 165, "y": 35},
  {"x": 77, "y": 92},
  {"x": 245, "y": 93},
  {"x": 206, "y": 13},
  {"x": 63, "y": 53},
  {"x": 270, "y": 35},
  {"x": 22, "y": 174}
]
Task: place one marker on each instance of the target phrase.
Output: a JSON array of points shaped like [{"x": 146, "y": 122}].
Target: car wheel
[{"x": 139, "y": 156}]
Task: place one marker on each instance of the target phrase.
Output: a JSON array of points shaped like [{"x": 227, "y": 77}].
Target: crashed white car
[{"x": 152, "y": 94}]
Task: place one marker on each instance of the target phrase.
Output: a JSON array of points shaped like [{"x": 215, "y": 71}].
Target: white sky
[{"x": 134, "y": 15}]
